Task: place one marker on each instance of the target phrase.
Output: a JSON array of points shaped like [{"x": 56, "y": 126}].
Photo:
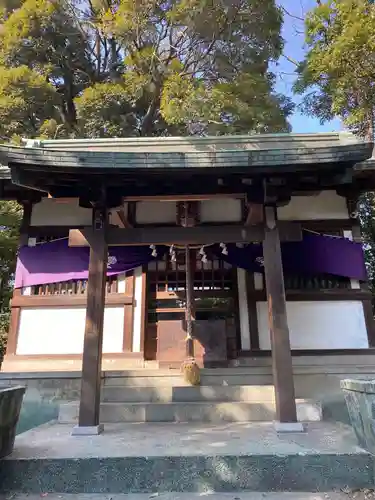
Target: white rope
[
  {"x": 196, "y": 247},
  {"x": 51, "y": 241},
  {"x": 322, "y": 234}
]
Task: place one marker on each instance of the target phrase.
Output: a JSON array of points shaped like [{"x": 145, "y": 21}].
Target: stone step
[
  {"x": 214, "y": 412},
  {"x": 187, "y": 394},
  {"x": 177, "y": 380},
  {"x": 171, "y": 378}
]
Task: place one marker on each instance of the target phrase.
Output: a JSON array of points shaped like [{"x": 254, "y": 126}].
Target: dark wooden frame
[
  {"x": 202, "y": 235},
  {"x": 307, "y": 352},
  {"x": 253, "y": 313},
  {"x": 129, "y": 314}
]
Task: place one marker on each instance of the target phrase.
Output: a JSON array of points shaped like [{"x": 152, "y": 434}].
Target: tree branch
[
  {"x": 291, "y": 60},
  {"x": 292, "y": 15}
]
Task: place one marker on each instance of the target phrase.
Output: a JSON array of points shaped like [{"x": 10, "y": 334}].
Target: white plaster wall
[
  {"x": 54, "y": 212},
  {"x": 355, "y": 284},
  {"x": 137, "y": 317},
  {"x": 319, "y": 325},
  {"x": 61, "y": 331},
  {"x": 243, "y": 309},
  {"x": 325, "y": 205},
  {"x": 221, "y": 210},
  {"x": 153, "y": 212}
]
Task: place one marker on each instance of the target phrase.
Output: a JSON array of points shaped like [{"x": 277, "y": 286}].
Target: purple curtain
[
  {"x": 315, "y": 254},
  {"x": 56, "y": 261}
]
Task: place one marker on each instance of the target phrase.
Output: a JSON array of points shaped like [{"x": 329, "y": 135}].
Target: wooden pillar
[
  {"x": 89, "y": 408},
  {"x": 286, "y": 414},
  {"x": 189, "y": 310}
]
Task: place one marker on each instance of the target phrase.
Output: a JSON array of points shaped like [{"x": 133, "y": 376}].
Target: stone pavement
[
  {"x": 167, "y": 439},
  {"x": 189, "y": 496},
  {"x": 189, "y": 458}
]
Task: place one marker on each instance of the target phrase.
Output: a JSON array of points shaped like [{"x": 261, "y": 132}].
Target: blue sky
[{"x": 294, "y": 48}]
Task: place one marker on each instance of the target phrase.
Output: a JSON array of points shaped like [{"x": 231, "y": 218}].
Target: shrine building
[{"x": 253, "y": 241}]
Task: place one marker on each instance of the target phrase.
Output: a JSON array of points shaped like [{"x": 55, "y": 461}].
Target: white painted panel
[
  {"x": 138, "y": 310},
  {"x": 258, "y": 281},
  {"x": 61, "y": 330},
  {"x": 243, "y": 309},
  {"x": 325, "y": 205},
  {"x": 121, "y": 283},
  {"x": 319, "y": 325},
  {"x": 152, "y": 212},
  {"x": 221, "y": 210},
  {"x": 52, "y": 212},
  {"x": 355, "y": 284}
]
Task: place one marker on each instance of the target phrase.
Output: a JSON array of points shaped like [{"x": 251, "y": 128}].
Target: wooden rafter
[{"x": 202, "y": 235}]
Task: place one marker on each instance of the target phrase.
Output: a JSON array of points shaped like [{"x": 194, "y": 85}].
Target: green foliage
[
  {"x": 109, "y": 68},
  {"x": 338, "y": 71},
  {"x": 367, "y": 218},
  {"x": 337, "y": 77},
  {"x": 10, "y": 219},
  {"x": 26, "y": 100}
]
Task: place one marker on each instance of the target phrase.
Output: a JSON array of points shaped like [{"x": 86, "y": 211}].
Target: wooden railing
[
  {"x": 72, "y": 287},
  {"x": 325, "y": 282}
]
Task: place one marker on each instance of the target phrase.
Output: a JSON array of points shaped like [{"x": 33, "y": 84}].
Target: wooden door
[{"x": 215, "y": 309}]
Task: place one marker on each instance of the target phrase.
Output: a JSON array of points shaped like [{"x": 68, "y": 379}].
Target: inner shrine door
[{"x": 216, "y": 325}]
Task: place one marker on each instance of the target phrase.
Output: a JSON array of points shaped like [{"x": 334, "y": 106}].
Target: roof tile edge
[{"x": 186, "y": 144}]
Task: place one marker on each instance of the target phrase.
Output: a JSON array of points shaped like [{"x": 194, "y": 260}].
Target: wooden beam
[
  {"x": 186, "y": 197},
  {"x": 281, "y": 355},
  {"x": 64, "y": 300},
  {"x": 89, "y": 408},
  {"x": 201, "y": 235},
  {"x": 123, "y": 216},
  {"x": 254, "y": 214}
]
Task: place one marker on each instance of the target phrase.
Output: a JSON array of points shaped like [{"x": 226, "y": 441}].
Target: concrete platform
[{"x": 199, "y": 458}]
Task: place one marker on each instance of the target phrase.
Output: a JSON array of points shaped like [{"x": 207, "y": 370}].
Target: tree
[
  {"x": 10, "y": 218},
  {"x": 338, "y": 72},
  {"x": 120, "y": 68},
  {"x": 366, "y": 207},
  {"x": 337, "y": 77},
  {"x": 109, "y": 68}
]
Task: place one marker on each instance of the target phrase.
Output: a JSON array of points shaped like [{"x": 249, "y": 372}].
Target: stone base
[
  {"x": 289, "y": 427},
  {"x": 360, "y": 401},
  {"x": 91, "y": 430},
  {"x": 10, "y": 406}
]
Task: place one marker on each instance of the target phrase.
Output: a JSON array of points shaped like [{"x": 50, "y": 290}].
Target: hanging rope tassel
[{"x": 189, "y": 368}]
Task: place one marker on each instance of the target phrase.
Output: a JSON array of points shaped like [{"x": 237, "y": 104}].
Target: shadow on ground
[{"x": 34, "y": 413}]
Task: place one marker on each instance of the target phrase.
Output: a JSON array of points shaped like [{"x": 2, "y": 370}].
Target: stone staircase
[{"x": 163, "y": 396}]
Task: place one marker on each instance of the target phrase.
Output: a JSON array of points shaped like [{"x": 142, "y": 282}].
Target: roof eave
[{"x": 43, "y": 159}]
